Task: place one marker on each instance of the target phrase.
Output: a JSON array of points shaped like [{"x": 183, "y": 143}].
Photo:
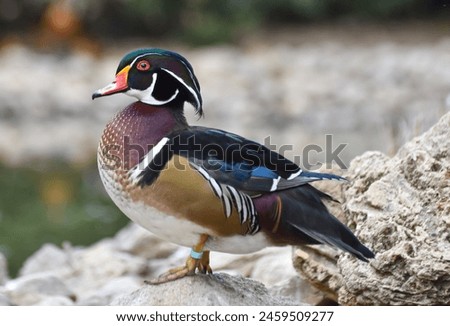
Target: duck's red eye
[{"x": 143, "y": 65}]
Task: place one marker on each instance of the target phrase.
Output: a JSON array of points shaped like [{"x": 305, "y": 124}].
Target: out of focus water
[{"x": 52, "y": 202}]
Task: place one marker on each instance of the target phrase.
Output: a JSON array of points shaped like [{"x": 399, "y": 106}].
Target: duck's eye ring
[{"x": 143, "y": 65}]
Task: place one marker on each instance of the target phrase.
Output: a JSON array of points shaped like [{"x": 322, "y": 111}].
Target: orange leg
[
  {"x": 204, "y": 263},
  {"x": 197, "y": 259}
]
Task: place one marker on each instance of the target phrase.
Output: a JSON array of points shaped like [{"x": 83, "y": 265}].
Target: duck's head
[{"x": 156, "y": 77}]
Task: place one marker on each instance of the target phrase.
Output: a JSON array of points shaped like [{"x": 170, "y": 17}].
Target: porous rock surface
[
  {"x": 399, "y": 207},
  {"x": 204, "y": 290}
]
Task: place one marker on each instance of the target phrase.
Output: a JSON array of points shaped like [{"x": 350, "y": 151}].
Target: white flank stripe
[
  {"x": 216, "y": 186},
  {"x": 252, "y": 206},
  {"x": 244, "y": 214},
  {"x": 295, "y": 175},
  {"x": 203, "y": 172},
  {"x": 245, "y": 210},
  {"x": 148, "y": 158},
  {"x": 227, "y": 204},
  {"x": 275, "y": 184},
  {"x": 236, "y": 197}
]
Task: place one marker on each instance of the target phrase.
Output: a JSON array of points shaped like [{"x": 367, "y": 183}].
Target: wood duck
[{"x": 199, "y": 187}]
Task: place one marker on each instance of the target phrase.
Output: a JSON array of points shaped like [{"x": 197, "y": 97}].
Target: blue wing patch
[{"x": 263, "y": 172}]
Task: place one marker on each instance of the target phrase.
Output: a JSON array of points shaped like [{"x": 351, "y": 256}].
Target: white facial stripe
[
  {"x": 190, "y": 89},
  {"x": 136, "y": 170},
  {"x": 191, "y": 73},
  {"x": 146, "y": 95}
]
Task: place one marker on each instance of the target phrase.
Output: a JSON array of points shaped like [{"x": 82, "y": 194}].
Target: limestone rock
[
  {"x": 104, "y": 262},
  {"x": 96, "y": 266},
  {"x": 55, "y": 301},
  {"x": 4, "y": 299},
  {"x": 399, "y": 207},
  {"x": 48, "y": 258},
  {"x": 210, "y": 290},
  {"x": 33, "y": 289},
  {"x": 297, "y": 289},
  {"x": 114, "y": 288},
  {"x": 271, "y": 266},
  {"x": 274, "y": 269},
  {"x": 92, "y": 276},
  {"x": 317, "y": 264},
  {"x": 140, "y": 242}
]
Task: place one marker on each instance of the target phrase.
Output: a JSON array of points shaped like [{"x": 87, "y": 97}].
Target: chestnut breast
[{"x": 132, "y": 133}]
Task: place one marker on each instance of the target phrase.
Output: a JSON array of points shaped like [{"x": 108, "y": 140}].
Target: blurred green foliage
[
  {"x": 207, "y": 21},
  {"x": 53, "y": 203}
]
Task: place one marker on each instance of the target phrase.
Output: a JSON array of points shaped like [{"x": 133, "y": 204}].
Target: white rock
[
  {"x": 140, "y": 242},
  {"x": 95, "y": 266},
  {"x": 55, "y": 301},
  {"x": 102, "y": 261},
  {"x": 32, "y": 289},
  {"x": 199, "y": 290},
  {"x": 274, "y": 266},
  {"x": 298, "y": 290},
  {"x": 115, "y": 288},
  {"x": 48, "y": 258},
  {"x": 4, "y": 299}
]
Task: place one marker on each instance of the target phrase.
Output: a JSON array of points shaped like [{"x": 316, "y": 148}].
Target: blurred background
[{"x": 373, "y": 74}]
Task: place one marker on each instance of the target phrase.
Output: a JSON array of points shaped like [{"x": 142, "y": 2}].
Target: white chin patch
[{"x": 146, "y": 95}]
